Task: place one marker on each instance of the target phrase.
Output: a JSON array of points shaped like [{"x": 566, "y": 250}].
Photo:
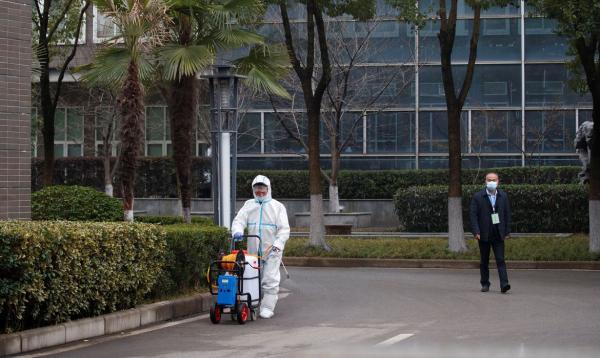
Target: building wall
[
  {"x": 520, "y": 110},
  {"x": 15, "y": 107}
]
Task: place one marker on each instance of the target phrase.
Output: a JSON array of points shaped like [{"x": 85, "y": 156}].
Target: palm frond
[
  {"x": 236, "y": 37},
  {"x": 264, "y": 66},
  {"x": 109, "y": 68},
  {"x": 184, "y": 60}
]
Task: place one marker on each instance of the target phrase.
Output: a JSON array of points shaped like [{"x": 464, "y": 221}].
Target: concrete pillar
[{"x": 15, "y": 109}]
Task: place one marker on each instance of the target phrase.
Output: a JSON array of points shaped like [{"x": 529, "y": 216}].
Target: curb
[
  {"x": 450, "y": 264},
  {"x": 111, "y": 323}
]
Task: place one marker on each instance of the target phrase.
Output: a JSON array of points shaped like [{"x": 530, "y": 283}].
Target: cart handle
[{"x": 232, "y": 244}]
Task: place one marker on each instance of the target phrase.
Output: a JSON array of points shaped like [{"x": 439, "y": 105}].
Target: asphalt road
[{"x": 358, "y": 312}]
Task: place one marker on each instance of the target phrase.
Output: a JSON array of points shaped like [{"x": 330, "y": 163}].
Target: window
[
  {"x": 550, "y": 131},
  {"x": 547, "y": 85},
  {"x": 433, "y": 132},
  {"x": 249, "y": 133},
  {"x": 203, "y": 132},
  {"x": 106, "y": 126},
  {"x": 351, "y": 121},
  {"x": 541, "y": 43},
  {"x": 496, "y": 132},
  {"x": 68, "y": 132},
  {"x": 391, "y": 132},
  {"x": 495, "y": 86},
  {"x": 104, "y": 27},
  {"x": 157, "y": 132},
  {"x": 277, "y": 139}
]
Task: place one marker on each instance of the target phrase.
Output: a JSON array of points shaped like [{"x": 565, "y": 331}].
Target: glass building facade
[{"x": 520, "y": 109}]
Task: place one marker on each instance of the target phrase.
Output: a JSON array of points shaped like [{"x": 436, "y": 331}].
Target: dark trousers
[{"x": 484, "y": 250}]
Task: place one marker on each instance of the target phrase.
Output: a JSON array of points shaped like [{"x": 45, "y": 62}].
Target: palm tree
[
  {"x": 125, "y": 63},
  {"x": 201, "y": 29}
]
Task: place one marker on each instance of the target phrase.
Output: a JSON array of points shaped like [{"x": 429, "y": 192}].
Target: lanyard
[{"x": 492, "y": 199}]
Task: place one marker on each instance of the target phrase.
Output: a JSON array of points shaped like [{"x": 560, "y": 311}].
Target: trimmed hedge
[
  {"x": 172, "y": 220},
  {"x": 535, "y": 208},
  {"x": 155, "y": 177},
  {"x": 53, "y": 271},
  {"x": 190, "y": 250},
  {"x": 362, "y": 184},
  {"x": 62, "y": 202}
]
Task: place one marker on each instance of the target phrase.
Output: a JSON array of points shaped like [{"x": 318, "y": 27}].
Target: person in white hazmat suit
[{"x": 267, "y": 218}]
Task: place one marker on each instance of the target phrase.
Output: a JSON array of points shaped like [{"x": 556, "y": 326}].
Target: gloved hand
[
  {"x": 238, "y": 237},
  {"x": 275, "y": 251}
]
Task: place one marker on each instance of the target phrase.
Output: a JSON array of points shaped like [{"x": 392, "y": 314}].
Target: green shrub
[
  {"x": 172, "y": 220},
  {"x": 190, "y": 250},
  {"x": 53, "y": 271},
  {"x": 383, "y": 184},
  {"x": 73, "y": 203},
  {"x": 155, "y": 176},
  {"x": 535, "y": 208}
]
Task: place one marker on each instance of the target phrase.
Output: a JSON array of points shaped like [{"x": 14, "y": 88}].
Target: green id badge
[{"x": 495, "y": 218}]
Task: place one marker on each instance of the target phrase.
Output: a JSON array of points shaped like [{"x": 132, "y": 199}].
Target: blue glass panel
[
  {"x": 496, "y": 132},
  {"x": 278, "y": 139},
  {"x": 433, "y": 132},
  {"x": 249, "y": 133},
  {"x": 391, "y": 132},
  {"x": 541, "y": 43},
  {"x": 494, "y": 86},
  {"x": 351, "y": 136},
  {"x": 499, "y": 40},
  {"x": 549, "y": 132},
  {"x": 548, "y": 85}
]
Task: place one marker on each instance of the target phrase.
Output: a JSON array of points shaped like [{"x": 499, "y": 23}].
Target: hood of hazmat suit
[{"x": 265, "y": 217}]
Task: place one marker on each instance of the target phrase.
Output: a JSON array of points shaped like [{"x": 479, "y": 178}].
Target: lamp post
[{"x": 224, "y": 123}]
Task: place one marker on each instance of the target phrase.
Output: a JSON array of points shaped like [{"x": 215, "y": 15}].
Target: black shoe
[
  {"x": 505, "y": 289},
  {"x": 485, "y": 288}
]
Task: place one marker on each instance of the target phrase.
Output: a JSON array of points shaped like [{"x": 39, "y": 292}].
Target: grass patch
[{"x": 573, "y": 248}]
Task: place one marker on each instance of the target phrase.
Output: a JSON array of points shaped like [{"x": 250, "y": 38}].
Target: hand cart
[{"x": 235, "y": 283}]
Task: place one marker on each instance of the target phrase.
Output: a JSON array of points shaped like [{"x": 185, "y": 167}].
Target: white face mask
[{"x": 491, "y": 185}]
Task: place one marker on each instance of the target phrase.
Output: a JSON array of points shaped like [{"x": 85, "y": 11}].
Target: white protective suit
[{"x": 267, "y": 218}]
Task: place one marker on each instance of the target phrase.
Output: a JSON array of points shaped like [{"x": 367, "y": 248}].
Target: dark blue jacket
[{"x": 480, "y": 213}]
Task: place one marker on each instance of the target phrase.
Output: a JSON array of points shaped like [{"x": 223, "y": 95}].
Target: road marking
[
  {"x": 395, "y": 339},
  {"x": 100, "y": 339}
]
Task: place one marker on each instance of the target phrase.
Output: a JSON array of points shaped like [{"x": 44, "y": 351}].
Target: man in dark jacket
[{"x": 490, "y": 224}]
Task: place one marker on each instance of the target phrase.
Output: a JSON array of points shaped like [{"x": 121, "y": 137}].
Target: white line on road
[{"x": 395, "y": 339}]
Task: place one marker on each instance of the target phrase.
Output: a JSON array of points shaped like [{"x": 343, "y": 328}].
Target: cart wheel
[
  {"x": 243, "y": 312},
  {"x": 215, "y": 314}
]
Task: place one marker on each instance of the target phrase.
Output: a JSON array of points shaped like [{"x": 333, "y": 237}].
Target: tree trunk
[
  {"x": 108, "y": 187},
  {"x": 456, "y": 234},
  {"x": 131, "y": 108},
  {"x": 48, "y": 111},
  {"x": 317, "y": 226},
  {"x": 334, "y": 197},
  {"x": 182, "y": 108},
  {"x": 586, "y": 50},
  {"x": 454, "y": 104},
  {"x": 594, "y": 195}
]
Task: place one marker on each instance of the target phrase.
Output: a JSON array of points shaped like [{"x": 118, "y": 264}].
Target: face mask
[{"x": 491, "y": 185}]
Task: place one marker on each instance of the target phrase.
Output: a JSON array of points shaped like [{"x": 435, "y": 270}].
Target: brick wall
[{"x": 15, "y": 107}]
